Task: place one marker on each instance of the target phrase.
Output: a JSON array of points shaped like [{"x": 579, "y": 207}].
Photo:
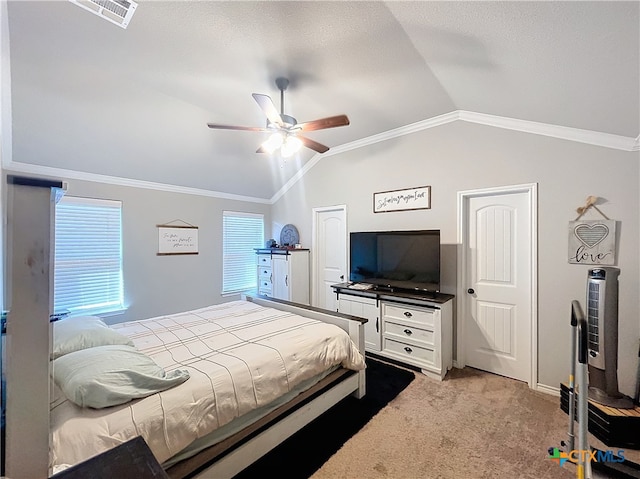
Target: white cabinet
[
  {"x": 368, "y": 308},
  {"x": 284, "y": 274},
  {"x": 404, "y": 327}
]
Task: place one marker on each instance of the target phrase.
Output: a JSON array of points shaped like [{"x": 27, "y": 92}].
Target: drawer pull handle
[
  {"x": 408, "y": 314},
  {"x": 408, "y": 349},
  {"x": 408, "y": 331}
]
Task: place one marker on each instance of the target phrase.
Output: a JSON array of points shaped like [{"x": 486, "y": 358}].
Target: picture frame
[
  {"x": 174, "y": 240},
  {"x": 416, "y": 198},
  {"x": 592, "y": 242}
]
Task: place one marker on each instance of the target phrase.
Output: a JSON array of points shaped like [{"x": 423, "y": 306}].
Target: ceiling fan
[{"x": 285, "y": 129}]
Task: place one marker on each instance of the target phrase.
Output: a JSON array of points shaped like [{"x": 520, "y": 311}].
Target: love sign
[{"x": 592, "y": 242}]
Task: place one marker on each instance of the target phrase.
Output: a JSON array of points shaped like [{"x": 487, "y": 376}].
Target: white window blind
[
  {"x": 88, "y": 256},
  {"x": 241, "y": 233}
]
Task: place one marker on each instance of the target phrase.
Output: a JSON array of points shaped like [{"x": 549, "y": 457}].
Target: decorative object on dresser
[
  {"x": 413, "y": 328},
  {"x": 283, "y": 273},
  {"x": 289, "y": 236}
]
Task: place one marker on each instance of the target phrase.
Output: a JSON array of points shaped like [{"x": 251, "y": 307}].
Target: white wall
[{"x": 461, "y": 156}]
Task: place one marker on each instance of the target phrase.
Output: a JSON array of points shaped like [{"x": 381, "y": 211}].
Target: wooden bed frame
[{"x": 235, "y": 453}]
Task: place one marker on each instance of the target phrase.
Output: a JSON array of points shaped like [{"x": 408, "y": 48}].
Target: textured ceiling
[{"x": 89, "y": 96}]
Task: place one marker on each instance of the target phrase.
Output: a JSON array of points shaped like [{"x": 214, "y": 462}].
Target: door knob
[{"x": 470, "y": 291}]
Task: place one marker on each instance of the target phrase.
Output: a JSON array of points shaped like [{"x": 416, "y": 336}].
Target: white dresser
[
  {"x": 284, "y": 274},
  {"x": 416, "y": 330}
]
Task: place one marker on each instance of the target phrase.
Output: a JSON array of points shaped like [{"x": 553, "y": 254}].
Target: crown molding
[
  {"x": 595, "y": 138},
  {"x": 370, "y": 140},
  {"x": 16, "y": 167},
  {"x": 606, "y": 140},
  {"x": 590, "y": 137}
]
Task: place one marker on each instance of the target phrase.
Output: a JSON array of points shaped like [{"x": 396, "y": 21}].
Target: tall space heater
[{"x": 602, "y": 316}]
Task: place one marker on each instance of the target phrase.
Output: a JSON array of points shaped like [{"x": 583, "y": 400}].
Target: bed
[{"x": 248, "y": 374}]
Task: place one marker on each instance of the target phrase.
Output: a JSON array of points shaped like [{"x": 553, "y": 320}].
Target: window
[
  {"x": 241, "y": 233},
  {"x": 88, "y": 256}
]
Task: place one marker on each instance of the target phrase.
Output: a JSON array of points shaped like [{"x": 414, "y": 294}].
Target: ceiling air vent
[{"x": 116, "y": 11}]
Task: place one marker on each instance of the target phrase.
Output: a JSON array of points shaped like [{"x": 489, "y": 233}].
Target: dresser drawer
[
  {"x": 399, "y": 313},
  {"x": 263, "y": 259},
  {"x": 410, "y": 353},
  {"x": 264, "y": 273},
  {"x": 264, "y": 287},
  {"x": 402, "y": 331}
]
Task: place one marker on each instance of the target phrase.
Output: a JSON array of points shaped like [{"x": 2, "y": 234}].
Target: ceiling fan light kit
[
  {"x": 285, "y": 128},
  {"x": 290, "y": 146},
  {"x": 274, "y": 142}
]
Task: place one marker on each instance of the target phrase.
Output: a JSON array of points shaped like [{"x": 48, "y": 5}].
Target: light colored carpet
[{"x": 471, "y": 425}]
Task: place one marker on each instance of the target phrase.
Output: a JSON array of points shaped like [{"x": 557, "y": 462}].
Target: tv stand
[{"x": 413, "y": 327}]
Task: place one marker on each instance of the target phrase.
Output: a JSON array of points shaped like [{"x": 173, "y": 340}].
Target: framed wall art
[
  {"x": 177, "y": 240},
  {"x": 418, "y": 198},
  {"x": 592, "y": 242}
]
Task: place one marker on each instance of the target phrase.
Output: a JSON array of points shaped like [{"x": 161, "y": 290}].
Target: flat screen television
[{"x": 407, "y": 260}]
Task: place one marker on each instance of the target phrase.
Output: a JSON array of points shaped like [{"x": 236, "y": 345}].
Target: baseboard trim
[{"x": 543, "y": 388}]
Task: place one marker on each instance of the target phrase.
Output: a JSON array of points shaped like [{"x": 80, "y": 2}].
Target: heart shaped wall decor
[{"x": 591, "y": 235}]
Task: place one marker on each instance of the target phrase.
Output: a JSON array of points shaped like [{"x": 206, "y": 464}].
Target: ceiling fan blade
[
  {"x": 232, "y": 127},
  {"x": 314, "y": 145},
  {"x": 321, "y": 124},
  {"x": 269, "y": 109}
]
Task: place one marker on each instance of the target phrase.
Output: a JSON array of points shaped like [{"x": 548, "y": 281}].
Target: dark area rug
[{"x": 304, "y": 452}]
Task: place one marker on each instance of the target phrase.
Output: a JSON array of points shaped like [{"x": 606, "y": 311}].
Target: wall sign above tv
[{"x": 418, "y": 198}]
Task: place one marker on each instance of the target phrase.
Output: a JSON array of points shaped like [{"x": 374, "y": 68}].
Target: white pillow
[
  {"x": 81, "y": 332},
  {"x": 110, "y": 375}
]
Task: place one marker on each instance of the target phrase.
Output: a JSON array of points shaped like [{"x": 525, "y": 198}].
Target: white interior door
[
  {"x": 498, "y": 250},
  {"x": 329, "y": 252}
]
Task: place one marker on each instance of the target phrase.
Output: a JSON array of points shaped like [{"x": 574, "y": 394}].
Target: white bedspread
[{"x": 240, "y": 355}]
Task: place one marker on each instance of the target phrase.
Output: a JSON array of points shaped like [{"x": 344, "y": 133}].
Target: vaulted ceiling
[{"x": 91, "y": 99}]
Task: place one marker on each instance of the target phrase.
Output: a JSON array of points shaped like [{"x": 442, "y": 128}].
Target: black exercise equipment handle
[
  {"x": 576, "y": 310},
  {"x": 582, "y": 341}
]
